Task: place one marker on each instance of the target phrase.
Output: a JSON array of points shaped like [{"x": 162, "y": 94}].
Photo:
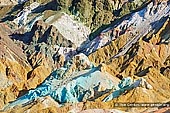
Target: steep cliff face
[{"x": 84, "y": 55}]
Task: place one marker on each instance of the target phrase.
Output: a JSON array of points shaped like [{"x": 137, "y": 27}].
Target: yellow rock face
[
  {"x": 16, "y": 74},
  {"x": 37, "y": 76},
  {"x": 144, "y": 59}
]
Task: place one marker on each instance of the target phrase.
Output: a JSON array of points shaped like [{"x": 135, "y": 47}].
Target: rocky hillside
[
  {"x": 11, "y": 2},
  {"x": 84, "y": 56}
]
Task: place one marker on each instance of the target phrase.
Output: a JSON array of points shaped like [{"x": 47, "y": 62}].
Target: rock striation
[{"x": 84, "y": 56}]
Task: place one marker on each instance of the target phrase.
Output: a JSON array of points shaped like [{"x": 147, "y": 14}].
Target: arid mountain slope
[{"x": 84, "y": 56}]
